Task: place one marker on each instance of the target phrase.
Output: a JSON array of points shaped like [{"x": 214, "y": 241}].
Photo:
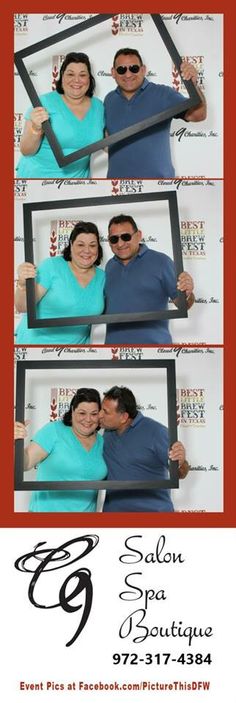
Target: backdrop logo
[
  {"x": 193, "y": 238},
  {"x": 198, "y": 63},
  {"x": 127, "y": 24},
  {"x": 21, "y": 24},
  {"x": 56, "y": 65},
  {"x": 60, "y": 402},
  {"x": 63, "y": 17},
  {"x": 192, "y": 406},
  {"x": 20, "y": 189},
  {"x": 20, "y": 353},
  {"x": 123, "y": 353},
  {"x": 103, "y": 73},
  {"x": 60, "y": 231},
  {"x": 63, "y": 182},
  {"x": 18, "y": 128},
  {"x": 149, "y": 238},
  {"x": 187, "y": 18},
  {"x": 126, "y": 187}
]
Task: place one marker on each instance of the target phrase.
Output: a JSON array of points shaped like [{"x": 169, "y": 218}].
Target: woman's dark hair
[
  {"x": 75, "y": 57},
  {"x": 81, "y": 228},
  {"x": 126, "y": 402},
  {"x": 82, "y": 395}
]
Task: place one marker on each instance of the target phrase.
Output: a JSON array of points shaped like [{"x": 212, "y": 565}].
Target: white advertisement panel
[{"x": 106, "y": 614}]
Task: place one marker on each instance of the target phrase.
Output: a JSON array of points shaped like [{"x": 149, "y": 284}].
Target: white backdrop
[
  {"x": 199, "y": 381},
  {"x": 201, "y": 222},
  {"x": 196, "y": 148}
]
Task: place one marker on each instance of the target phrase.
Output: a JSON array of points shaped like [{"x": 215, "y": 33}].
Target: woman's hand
[
  {"x": 37, "y": 117},
  {"x": 33, "y": 454},
  {"x": 20, "y": 429},
  {"x": 33, "y": 132},
  {"x": 24, "y": 271}
]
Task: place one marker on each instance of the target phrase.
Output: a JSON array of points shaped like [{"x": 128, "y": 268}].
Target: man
[
  {"x": 136, "y": 448},
  {"x": 144, "y": 155},
  {"x": 139, "y": 279}
]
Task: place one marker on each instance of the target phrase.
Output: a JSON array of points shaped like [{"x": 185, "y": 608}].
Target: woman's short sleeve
[
  {"x": 46, "y": 437},
  {"x": 44, "y": 273}
]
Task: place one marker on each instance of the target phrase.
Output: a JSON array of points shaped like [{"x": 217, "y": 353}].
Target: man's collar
[{"x": 136, "y": 419}]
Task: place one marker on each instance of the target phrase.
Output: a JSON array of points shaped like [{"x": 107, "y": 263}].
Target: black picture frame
[
  {"x": 22, "y": 366},
  {"x": 192, "y": 101},
  {"x": 29, "y": 208}
]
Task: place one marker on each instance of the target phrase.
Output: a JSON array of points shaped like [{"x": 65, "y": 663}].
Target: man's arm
[{"x": 198, "y": 113}]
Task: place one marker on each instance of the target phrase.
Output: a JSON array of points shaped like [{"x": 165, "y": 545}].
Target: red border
[{"x": 7, "y": 517}]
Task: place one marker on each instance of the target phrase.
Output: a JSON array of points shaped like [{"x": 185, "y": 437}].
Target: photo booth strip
[
  {"x": 79, "y": 367},
  {"x": 117, "y": 137},
  {"x": 29, "y": 208}
]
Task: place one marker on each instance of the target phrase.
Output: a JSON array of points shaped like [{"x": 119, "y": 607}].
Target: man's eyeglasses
[
  {"x": 125, "y": 236},
  {"x": 134, "y": 68}
]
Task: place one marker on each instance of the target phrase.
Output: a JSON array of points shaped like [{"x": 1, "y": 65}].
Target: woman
[
  {"x": 76, "y": 117},
  {"x": 67, "y": 450},
  {"x": 66, "y": 286}
]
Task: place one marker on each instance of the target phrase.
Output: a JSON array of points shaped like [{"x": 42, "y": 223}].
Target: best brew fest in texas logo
[
  {"x": 192, "y": 406},
  {"x": 60, "y": 231},
  {"x": 127, "y": 24},
  {"x": 193, "y": 239},
  {"x": 60, "y": 402},
  {"x": 198, "y": 62},
  {"x": 121, "y": 353},
  {"x": 56, "y": 65},
  {"x": 18, "y": 128},
  {"x": 21, "y": 24},
  {"x": 20, "y": 188},
  {"x": 126, "y": 187}
]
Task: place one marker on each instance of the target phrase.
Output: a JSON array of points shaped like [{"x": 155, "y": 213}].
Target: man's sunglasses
[
  {"x": 134, "y": 68},
  {"x": 125, "y": 236}
]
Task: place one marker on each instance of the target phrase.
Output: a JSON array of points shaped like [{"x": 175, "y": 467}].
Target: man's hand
[
  {"x": 198, "y": 113},
  {"x": 185, "y": 283},
  {"x": 188, "y": 72},
  {"x": 177, "y": 453}
]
